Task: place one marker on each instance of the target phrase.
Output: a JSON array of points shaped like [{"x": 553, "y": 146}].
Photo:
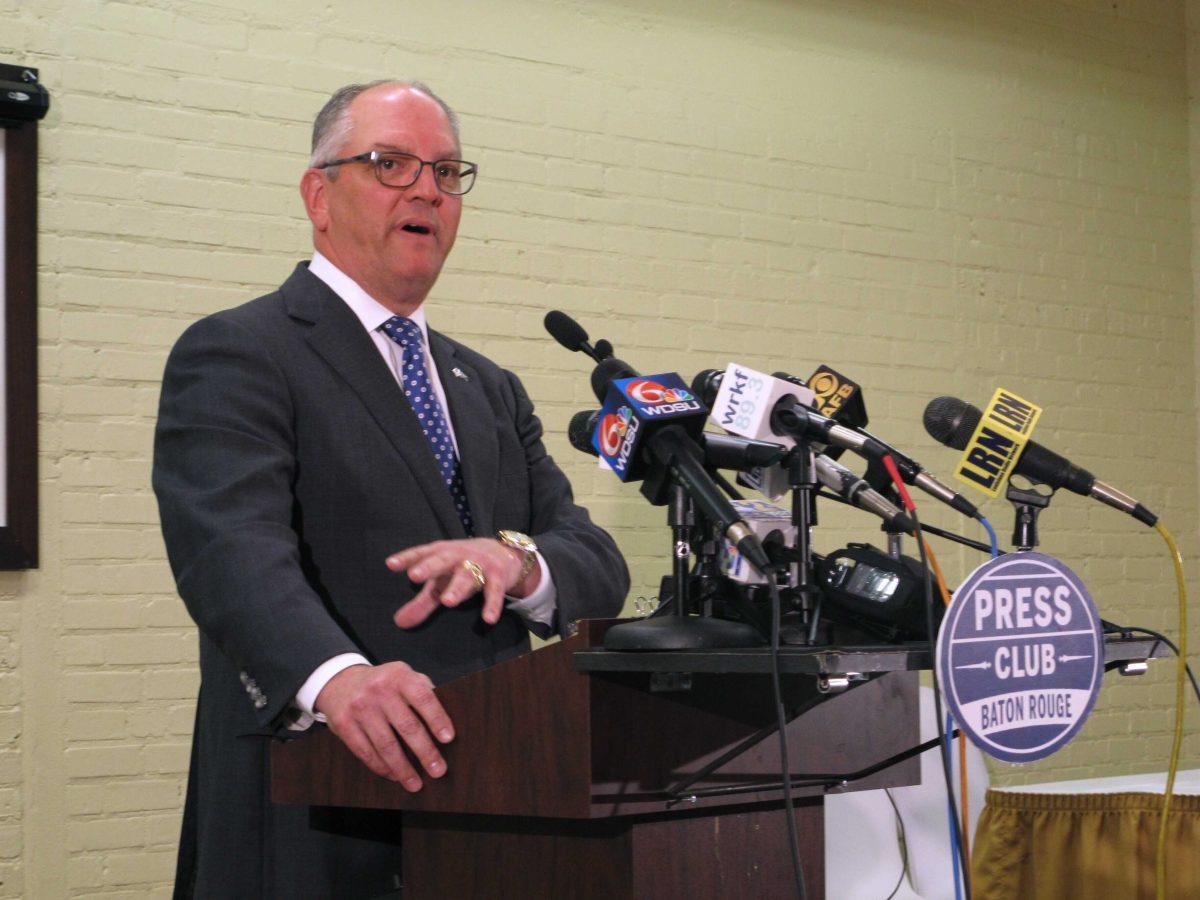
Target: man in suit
[{"x": 332, "y": 476}]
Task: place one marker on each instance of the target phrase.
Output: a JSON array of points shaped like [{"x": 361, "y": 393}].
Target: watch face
[{"x": 518, "y": 540}]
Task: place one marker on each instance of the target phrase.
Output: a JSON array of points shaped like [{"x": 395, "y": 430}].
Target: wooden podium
[{"x": 559, "y": 782}]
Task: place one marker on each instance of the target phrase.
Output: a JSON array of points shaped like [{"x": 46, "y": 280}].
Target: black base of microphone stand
[
  {"x": 681, "y": 633},
  {"x": 794, "y": 631}
]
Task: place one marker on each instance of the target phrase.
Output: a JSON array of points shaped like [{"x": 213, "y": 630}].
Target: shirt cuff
[
  {"x": 538, "y": 608},
  {"x": 311, "y": 689}
]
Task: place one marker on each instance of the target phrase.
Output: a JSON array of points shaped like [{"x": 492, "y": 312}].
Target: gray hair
[{"x": 332, "y": 124}]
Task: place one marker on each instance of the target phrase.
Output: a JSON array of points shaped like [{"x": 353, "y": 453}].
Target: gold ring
[{"x": 476, "y": 571}]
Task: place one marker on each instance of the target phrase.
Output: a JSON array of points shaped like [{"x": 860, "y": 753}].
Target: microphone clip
[{"x": 1027, "y": 505}]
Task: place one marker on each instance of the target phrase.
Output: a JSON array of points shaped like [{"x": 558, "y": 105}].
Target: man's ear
[{"x": 312, "y": 190}]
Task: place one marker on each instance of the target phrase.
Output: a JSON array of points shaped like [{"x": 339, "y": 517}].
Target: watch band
[{"x": 525, "y": 545}]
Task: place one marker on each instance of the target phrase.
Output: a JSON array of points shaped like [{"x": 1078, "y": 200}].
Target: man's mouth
[{"x": 415, "y": 229}]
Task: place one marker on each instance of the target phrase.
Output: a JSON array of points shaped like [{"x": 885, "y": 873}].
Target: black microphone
[
  {"x": 762, "y": 407},
  {"x": 674, "y": 448},
  {"x": 571, "y": 335},
  {"x": 802, "y": 421},
  {"x": 858, "y": 492},
  {"x": 604, "y": 349},
  {"x": 627, "y": 432},
  {"x": 721, "y": 451},
  {"x": 952, "y": 422},
  {"x": 606, "y": 372}
]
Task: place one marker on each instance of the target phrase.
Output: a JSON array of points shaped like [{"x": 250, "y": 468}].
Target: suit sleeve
[
  {"x": 224, "y": 466},
  {"x": 590, "y": 574}
]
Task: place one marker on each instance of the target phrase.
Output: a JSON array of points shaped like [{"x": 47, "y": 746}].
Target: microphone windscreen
[
  {"x": 606, "y": 372},
  {"x": 580, "y": 429},
  {"x": 604, "y": 349},
  {"x": 951, "y": 421},
  {"x": 565, "y": 330}
]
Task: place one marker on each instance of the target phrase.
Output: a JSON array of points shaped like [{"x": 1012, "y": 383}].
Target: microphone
[
  {"x": 571, "y": 335},
  {"x": 798, "y": 418},
  {"x": 912, "y": 473},
  {"x": 655, "y": 419},
  {"x": 952, "y": 422},
  {"x": 606, "y": 372},
  {"x": 604, "y": 349},
  {"x": 857, "y": 492},
  {"x": 759, "y": 406},
  {"x": 721, "y": 451}
]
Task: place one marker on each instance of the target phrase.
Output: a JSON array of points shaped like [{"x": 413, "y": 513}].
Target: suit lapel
[
  {"x": 474, "y": 428},
  {"x": 338, "y": 337}
]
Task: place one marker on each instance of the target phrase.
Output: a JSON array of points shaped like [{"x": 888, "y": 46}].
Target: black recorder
[{"x": 876, "y": 593}]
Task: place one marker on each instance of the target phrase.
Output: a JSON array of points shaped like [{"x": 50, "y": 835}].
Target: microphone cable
[
  {"x": 781, "y": 717},
  {"x": 1181, "y": 671},
  {"x": 928, "y": 563}
]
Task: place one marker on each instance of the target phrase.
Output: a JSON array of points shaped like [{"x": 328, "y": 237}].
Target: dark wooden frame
[{"x": 18, "y": 301}]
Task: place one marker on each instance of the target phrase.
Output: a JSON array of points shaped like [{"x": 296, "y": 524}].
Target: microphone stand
[
  {"x": 799, "y": 627},
  {"x": 680, "y": 630}
]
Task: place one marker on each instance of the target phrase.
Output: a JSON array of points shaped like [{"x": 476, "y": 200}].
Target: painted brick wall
[{"x": 934, "y": 197}]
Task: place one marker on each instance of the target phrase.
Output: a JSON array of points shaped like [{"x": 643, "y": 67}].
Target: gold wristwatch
[{"x": 523, "y": 543}]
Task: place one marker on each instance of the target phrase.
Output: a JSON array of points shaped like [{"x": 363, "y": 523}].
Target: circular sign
[{"x": 1020, "y": 656}]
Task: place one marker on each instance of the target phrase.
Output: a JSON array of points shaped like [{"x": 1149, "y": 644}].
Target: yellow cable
[
  {"x": 1160, "y": 859},
  {"x": 962, "y": 741}
]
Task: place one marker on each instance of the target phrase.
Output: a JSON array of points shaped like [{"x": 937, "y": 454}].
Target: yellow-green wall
[{"x": 934, "y": 197}]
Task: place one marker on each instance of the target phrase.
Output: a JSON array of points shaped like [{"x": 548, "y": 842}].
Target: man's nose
[{"x": 425, "y": 186}]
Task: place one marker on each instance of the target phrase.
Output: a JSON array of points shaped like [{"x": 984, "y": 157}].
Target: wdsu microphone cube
[
  {"x": 772, "y": 525},
  {"x": 633, "y": 409}
]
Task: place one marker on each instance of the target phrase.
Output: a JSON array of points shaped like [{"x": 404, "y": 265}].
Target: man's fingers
[
  {"x": 404, "y": 722},
  {"x": 419, "y": 608},
  {"x": 493, "y": 600},
  {"x": 393, "y": 712},
  {"x": 462, "y": 585},
  {"x": 398, "y": 562},
  {"x": 387, "y": 747},
  {"x": 361, "y": 746},
  {"x": 429, "y": 561},
  {"x": 421, "y": 697}
]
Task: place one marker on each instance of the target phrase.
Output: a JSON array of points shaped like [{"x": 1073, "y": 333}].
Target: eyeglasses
[{"x": 401, "y": 170}]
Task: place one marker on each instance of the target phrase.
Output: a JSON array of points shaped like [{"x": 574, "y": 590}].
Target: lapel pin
[{"x": 459, "y": 373}]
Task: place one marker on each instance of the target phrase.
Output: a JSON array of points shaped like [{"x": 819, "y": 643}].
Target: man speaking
[{"x": 356, "y": 508}]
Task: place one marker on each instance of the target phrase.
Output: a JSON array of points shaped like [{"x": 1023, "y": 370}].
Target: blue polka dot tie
[{"x": 434, "y": 425}]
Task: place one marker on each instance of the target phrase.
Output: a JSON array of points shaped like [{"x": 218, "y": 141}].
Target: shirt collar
[{"x": 370, "y": 311}]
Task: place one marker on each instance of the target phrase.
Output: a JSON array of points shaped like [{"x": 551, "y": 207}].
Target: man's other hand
[
  {"x": 375, "y": 708},
  {"x": 438, "y": 568}
]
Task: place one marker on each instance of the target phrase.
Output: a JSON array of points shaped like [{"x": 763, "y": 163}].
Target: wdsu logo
[
  {"x": 612, "y": 430},
  {"x": 656, "y": 399},
  {"x": 615, "y": 438}
]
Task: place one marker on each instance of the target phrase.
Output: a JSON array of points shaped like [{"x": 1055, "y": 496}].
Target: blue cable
[
  {"x": 950, "y": 730},
  {"x": 992, "y": 535},
  {"x": 954, "y": 855}
]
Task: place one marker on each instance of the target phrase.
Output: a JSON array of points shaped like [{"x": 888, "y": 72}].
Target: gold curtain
[{"x": 1083, "y": 846}]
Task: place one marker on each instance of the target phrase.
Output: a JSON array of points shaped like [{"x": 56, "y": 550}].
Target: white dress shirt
[{"x": 537, "y": 608}]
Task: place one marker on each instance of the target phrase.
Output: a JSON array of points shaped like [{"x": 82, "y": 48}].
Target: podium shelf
[{"x": 839, "y": 660}]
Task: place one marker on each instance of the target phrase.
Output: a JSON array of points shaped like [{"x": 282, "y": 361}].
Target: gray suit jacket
[{"x": 287, "y": 466}]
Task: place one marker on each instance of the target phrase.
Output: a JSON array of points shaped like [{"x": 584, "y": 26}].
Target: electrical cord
[
  {"x": 932, "y": 529},
  {"x": 955, "y": 835},
  {"x": 781, "y": 716},
  {"x": 903, "y": 845},
  {"x": 1160, "y": 858}
]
